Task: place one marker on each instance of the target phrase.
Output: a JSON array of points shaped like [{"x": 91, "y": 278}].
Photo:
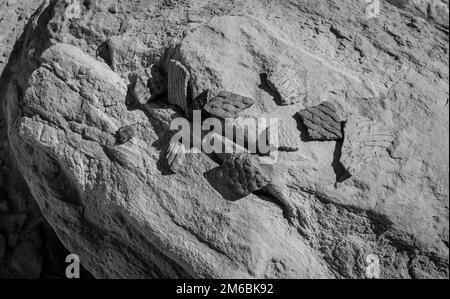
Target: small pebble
[
  {"x": 113, "y": 9},
  {"x": 125, "y": 134}
]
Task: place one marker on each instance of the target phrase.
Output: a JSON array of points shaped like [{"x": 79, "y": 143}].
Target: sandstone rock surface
[
  {"x": 118, "y": 209},
  {"x": 435, "y": 10}
]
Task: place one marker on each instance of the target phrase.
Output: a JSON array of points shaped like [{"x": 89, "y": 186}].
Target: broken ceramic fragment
[
  {"x": 200, "y": 101},
  {"x": 322, "y": 121},
  {"x": 289, "y": 83},
  {"x": 223, "y": 147},
  {"x": 177, "y": 86},
  {"x": 228, "y": 105},
  {"x": 364, "y": 141},
  {"x": 175, "y": 156},
  {"x": 244, "y": 173}
]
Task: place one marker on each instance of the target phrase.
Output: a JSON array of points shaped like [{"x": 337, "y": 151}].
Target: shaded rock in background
[
  {"x": 125, "y": 134},
  {"x": 244, "y": 174},
  {"x": 436, "y": 10},
  {"x": 175, "y": 156},
  {"x": 157, "y": 82},
  {"x": 2, "y": 247},
  {"x": 227, "y": 105}
]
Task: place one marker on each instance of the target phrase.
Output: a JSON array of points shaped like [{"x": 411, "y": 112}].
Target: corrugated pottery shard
[
  {"x": 288, "y": 138},
  {"x": 177, "y": 85},
  {"x": 322, "y": 122},
  {"x": 175, "y": 156},
  {"x": 244, "y": 173},
  {"x": 228, "y": 105},
  {"x": 289, "y": 83},
  {"x": 364, "y": 141}
]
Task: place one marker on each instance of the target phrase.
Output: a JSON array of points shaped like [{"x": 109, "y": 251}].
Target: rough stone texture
[
  {"x": 322, "y": 122},
  {"x": 244, "y": 174},
  {"x": 200, "y": 101},
  {"x": 125, "y": 54},
  {"x": 157, "y": 82},
  {"x": 227, "y": 105},
  {"x": 115, "y": 207},
  {"x": 289, "y": 84},
  {"x": 364, "y": 141}
]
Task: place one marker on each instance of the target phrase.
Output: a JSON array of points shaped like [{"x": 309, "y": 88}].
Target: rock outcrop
[
  {"x": 227, "y": 105},
  {"x": 117, "y": 205}
]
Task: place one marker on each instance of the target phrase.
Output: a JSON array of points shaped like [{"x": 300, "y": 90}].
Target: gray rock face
[
  {"x": 113, "y": 204},
  {"x": 141, "y": 92},
  {"x": 125, "y": 134},
  {"x": 436, "y": 10}
]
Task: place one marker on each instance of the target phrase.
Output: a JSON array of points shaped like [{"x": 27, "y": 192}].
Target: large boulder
[{"x": 126, "y": 215}]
